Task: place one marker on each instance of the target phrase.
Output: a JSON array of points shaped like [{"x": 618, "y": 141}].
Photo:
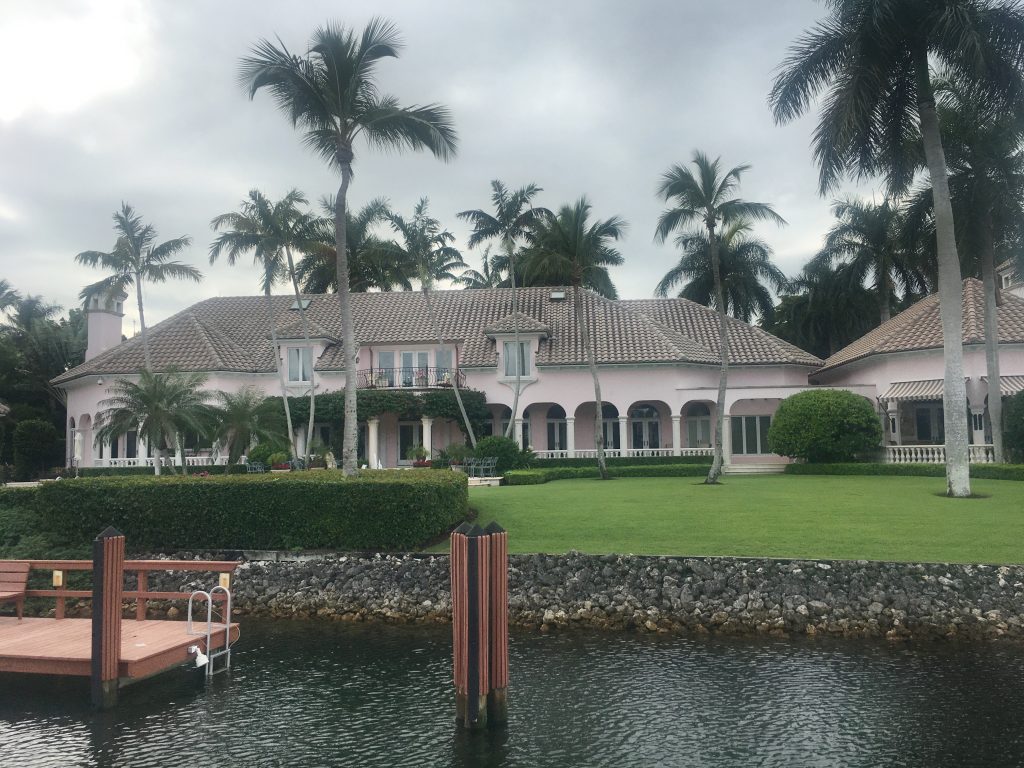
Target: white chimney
[{"x": 103, "y": 317}]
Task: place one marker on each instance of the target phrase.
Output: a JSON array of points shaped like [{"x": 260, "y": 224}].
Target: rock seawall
[{"x": 651, "y": 594}]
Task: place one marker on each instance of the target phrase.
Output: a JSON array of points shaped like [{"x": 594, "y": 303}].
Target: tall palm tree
[
  {"x": 429, "y": 247},
  {"x": 8, "y": 296},
  {"x": 373, "y": 263},
  {"x": 135, "y": 259},
  {"x": 704, "y": 195},
  {"x": 161, "y": 406},
  {"x": 575, "y": 251},
  {"x": 243, "y": 417},
  {"x": 487, "y": 277},
  {"x": 270, "y": 230},
  {"x": 514, "y": 216},
  {"x": 869, "y": 239},
  {"x": 748, "y": 275},
  {"x": 872, "y": 57},
  {"x": 331, "y": 95}
]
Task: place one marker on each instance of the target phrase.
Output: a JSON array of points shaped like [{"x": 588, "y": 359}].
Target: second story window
[
  {"x": 300, "y": 364},
  {"x": 443, "y": 361},
  {"x": 512, "y": 360}
]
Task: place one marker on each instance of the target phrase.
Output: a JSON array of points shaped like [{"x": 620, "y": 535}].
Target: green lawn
[{"x": 874, "y": 518}]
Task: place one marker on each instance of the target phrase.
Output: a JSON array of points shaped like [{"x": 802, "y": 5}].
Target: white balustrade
[{"x": 934, "y": 454}]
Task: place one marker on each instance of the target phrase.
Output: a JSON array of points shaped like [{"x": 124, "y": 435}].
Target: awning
[
  {"x": 929, "y": 389},
  {"x": 1009, "y": 385}
]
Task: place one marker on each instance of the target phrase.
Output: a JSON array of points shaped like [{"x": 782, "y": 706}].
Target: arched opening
[
  {"x": 647, "y": 430},
  {"x": 584, "y": 423},
  {"x": 697, "y": 425},
  {"x": 501, "y": 415},
  {"x": 556, "y": 428}
]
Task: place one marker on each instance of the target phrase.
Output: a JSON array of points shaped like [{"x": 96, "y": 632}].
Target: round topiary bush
[
  {"x": 825, "y": 426},
  {"x": 505, "y": 450},
  {"x": 1013, "y": 420}
]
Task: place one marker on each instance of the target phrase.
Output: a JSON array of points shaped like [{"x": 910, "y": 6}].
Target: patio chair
[
  {"x": 297, "y": 464},
  {"x": 470, "y": 466},
  {"x": 488, "y": 465},
  {"x": 13, "y": 580},
  {"x": 254, "y": 468}
]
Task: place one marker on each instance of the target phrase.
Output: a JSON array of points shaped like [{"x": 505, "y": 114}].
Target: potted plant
[
  {"x": 457, "y": 455},
  {"x": 418, "y": 455},
  {"x": 421, "y": 377},
  {"x": 279, "y": 462}
]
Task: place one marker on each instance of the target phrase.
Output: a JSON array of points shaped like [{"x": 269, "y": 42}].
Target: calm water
[{"x": 316, "y": 694}]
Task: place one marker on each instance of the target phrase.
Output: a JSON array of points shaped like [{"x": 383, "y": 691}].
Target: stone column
[
  {"x": 623, "y": 434},
  {"x": 428, "y": 435},
  {"x": 726, "y": 440},
  {"x": 570, "y": 436},
  {"x": 677, "y": 438},
  {"x": 372, "y": 443},
  {"x": 519, "y": 433}
]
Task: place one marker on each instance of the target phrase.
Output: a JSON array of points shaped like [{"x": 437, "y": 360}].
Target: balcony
[{"x": 409, "y": 378}]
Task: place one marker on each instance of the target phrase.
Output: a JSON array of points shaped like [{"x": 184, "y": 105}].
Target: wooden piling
[
  {"x": 107, "y": 589},
  {"x": 497, "y": 704}
]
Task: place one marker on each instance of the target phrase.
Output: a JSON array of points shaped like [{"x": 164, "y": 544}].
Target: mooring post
[
  {"x": 107, "y": 590},
  {"x": 497, "y": 702}
]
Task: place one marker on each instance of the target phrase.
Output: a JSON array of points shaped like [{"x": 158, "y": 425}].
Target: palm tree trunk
[
  {"x": 883, "y": 294},
  {"x": 348, "y": 333},
  {"x": 954, "y": 396},
  {"x": 455, "y": 374},
  {"x": 309, "y": 344},
  {"x": 280, "y": 370},
  {"x": 723, "y": 342},
  {"x": 577, "y": 300},
  {"x": 515, "y": 336},
  {"x": 158, "y": 455},
  {"x": 988, "y": 278},
  {"x": 142, "y": 322}
]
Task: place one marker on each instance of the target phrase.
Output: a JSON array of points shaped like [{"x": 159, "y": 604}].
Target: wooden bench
[{"x": 13, "y": 581}]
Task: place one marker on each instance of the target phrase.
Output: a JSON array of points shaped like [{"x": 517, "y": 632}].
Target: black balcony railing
[{"x": 409, "y": 378}]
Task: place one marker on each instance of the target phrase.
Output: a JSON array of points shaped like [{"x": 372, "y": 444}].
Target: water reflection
[{"x": 317, "y": 694}]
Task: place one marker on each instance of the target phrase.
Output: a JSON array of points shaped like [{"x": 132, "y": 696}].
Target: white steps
[{"x": 754, "y": 469}]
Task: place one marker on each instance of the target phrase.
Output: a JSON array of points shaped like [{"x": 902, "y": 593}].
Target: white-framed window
[
  {"x": 750, "y": 434},
  {"x": 1005, "y": 280},
  {"x": 511, "y": 359},
  {"x": 443, "y": 362},
  {"x": 300, "y": 364}
]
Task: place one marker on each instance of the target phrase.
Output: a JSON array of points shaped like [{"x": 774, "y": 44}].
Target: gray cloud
[{"x": 581, "y": 98}]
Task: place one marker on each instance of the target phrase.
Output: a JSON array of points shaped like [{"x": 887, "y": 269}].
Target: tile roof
[
  {"x": 508, "y": 323},
  {"x": 920, "y": 327},
  {"x": 231, "y": 333}
]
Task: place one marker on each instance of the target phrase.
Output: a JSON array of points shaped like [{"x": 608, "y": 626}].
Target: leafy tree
[
  {"x": 331, "y": 95},
  {"x": 36, "y": 448},
  {"x": 748, "y": 275},
  {"x": 570, "y": 249},
  {"x": 244, "y": 417},
  {"x": 135, "y": 259},
  {"x": 825, "y": 426},
  {"x": 8, "y": 296},
  {"x": 873, "y": 59},
  {"x": 868, "y": 238},
  {"x": 160, "y": 406},
  {"x": 430, "y": 248},
  {"x": 704, "y": 195}
]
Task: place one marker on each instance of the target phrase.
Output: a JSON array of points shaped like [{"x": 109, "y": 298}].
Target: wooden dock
[{"x": 106, "y": 647}]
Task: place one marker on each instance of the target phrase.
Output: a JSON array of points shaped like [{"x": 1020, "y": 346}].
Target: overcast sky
[{"x": 111, "y": 100}]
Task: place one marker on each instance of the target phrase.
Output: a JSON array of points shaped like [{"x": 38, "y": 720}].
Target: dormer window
[
  {"x": 517, "y": 365},
  {"x": 300, "y": 365},
  {"x": 1006, "y": 281}
]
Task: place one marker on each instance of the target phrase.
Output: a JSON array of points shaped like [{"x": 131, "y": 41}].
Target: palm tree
[
  {"x": 514, "y": 216},
  {"x": 748, "y": 275},
  {"x": 704, "y": 194},
  {"x": 373, "y": 263},
  {"x": 8, "y": 296},
  {"x": 488, "y": 277},
  {"x": 269, "y": 231},
  {"x": 869, "y": 239},
  {"x": 574, "y": 251},
  {"x": 429, "y": 247},
  {"x": 135, "y": 259},
  {"x": 331, "y": 94},
  {"x": 872, "y": 57},
  {"x": 243, "y": 417},
  {"x": 47, "y": 345},
  {"x": 160, "y": 406}
]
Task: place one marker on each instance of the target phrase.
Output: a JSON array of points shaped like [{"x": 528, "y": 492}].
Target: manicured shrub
[
  {"x": 505, "y": 450},
  {"x": 538, "y": 475},
  {"x": 374, "y": 510},
  {"x": 1013, "y": 420},
  {"x": 36, "y": 448},
  {"x": 979, "y": 471},
  {"x": 825, "y": 426},
  {"x": 261, "y": 452}
]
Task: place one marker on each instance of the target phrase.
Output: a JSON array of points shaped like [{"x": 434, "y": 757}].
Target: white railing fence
[
  {"x": 168, "y": 461},
  {"x": 591, "y": 453},
  {"x": 934, "y": 454}
]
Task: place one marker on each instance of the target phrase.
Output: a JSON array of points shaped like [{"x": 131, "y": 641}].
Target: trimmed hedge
[
  {"x": 545, "y": 475},
  {"x": 979, "y": 471},
  {"x": 217, "y": 469},
  {"x": 309, "y": 510},
  {"x": 622, "y": 461}
]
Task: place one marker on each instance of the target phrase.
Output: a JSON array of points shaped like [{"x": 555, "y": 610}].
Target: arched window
[
  {"x": 645, "y": 426},
  {"x": 698, "y": 426},
  {"x": 610, "y": 425},
  {"x": 557, "y": 432}
]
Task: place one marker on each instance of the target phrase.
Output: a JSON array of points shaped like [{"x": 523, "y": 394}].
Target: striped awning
[
  {"x": 1010, "y": 385},
  {"x": 928, "y": 389}
]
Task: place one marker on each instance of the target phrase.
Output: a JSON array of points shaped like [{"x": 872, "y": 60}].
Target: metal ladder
[{"x": 211, "y": 627}]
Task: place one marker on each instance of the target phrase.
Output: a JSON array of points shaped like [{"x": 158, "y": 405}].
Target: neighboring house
[
  {"x": 657, "y": 359},
  {"x": 658, "y": 362},
  {"x": 1009, "y": 279},
  {"x": 901, "y": 361}
]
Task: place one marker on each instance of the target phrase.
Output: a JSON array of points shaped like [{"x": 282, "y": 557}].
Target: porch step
[
  {"x": 484, "y": 481},
  {"x": 754, "y": 469}
]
